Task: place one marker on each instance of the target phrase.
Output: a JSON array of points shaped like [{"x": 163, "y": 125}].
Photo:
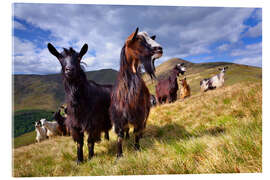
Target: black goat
[{"x": 87, "y": 101}]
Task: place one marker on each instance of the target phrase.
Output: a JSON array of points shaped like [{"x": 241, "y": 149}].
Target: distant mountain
[{"x": 47, "y": 91}]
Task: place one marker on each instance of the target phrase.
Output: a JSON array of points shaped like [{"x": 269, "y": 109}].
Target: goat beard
[{"x": 149, "y": 65}]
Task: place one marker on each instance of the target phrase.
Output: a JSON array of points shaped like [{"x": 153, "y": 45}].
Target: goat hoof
[
  {"x": 137, "y": 147},
  {"x": 78, "y": 162},
  {"x": 119, "y": 156},
  {"x": 90, "y": 157}
]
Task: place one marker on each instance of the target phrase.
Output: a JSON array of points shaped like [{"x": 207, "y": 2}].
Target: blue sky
[{"x": 196, "y": 34}]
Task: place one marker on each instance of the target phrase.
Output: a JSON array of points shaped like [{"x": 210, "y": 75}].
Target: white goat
[
  {"x": 41, "y": 132},
  {"x": 215, "y": 81},
  {"x": 51, "y": 126}
]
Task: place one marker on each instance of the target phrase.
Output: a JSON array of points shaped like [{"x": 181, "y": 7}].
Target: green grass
[
  {"x": 25, "y": 139},
  {"x": 218, "y": 131}
]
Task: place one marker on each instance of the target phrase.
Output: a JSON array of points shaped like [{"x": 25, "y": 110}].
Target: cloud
[
  {"x": 182, "y": 31},
  {"x": 223, "y": 47},
  {"x": 258, "y": 14},
  {"x": 202, "y": 27},
  {"x": 17, "y": 25},
  {"x": 249, "y": 55},
  {"x": 252, "y": 61},
  {"x": 254, "y": 31},
  {"x": 248, "y": 50},
  {"x": 28, "y": 58}
]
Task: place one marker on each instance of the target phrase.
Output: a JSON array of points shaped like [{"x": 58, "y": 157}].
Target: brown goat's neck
[
  {"x": 128, "y": 65},
  {"x": 129, "y": 77},
  {"x": 131, "y": 61},
  {"x": 129, "y": 84}
]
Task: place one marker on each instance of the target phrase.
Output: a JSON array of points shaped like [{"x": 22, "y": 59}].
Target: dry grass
[{"x": 218, "y": 131}]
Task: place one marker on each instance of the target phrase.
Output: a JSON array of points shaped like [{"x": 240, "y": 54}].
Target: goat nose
[
  {"x": 69, "y": 69},
  {"x": 158, "y": 49}
]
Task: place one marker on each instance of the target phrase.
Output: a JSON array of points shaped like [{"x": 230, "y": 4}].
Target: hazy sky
[{"x": 196, "y": 34}]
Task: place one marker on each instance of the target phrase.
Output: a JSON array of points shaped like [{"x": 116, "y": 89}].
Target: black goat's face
[
  {"x": 181, "y": 68},
  {"x": 69, "y": 59}
]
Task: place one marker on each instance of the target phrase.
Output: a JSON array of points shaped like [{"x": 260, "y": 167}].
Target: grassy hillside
[
  {"x": 25, "y": 139},
  {"x": 218, "y": 131},
  {"x": 103, "y": 76},
  {"x": 47, "y": 91}
]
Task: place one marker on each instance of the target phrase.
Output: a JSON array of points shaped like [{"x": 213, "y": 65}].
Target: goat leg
[
  {"x": 91, "y": 146},
  {"x": 119, "y": 147},
  {"x": 127, "y": 133},
  {"x": 137, "y": 142},
  {"x": 78, "y": 138},
  {"x": 138, "y": 135},
  {"x": 168, "y": 99},
  {"x": 107, "y": 135},
  {"x": 119, "y": 144},
  {"x": 79, "y": 152}
]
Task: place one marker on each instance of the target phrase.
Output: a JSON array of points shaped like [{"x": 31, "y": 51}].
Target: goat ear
[
  {"x": 226, "y": 67},
  {"x": 135, "y": 34},
  {"x": 53, "y": 51},
  {"x": 219, "y": 69},
  {"x": 153, "y": 37},
  {"x": 83, "y": 50}
]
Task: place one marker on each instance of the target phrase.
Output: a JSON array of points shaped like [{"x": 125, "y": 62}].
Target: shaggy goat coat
[{"x": 130, "y": 99}]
